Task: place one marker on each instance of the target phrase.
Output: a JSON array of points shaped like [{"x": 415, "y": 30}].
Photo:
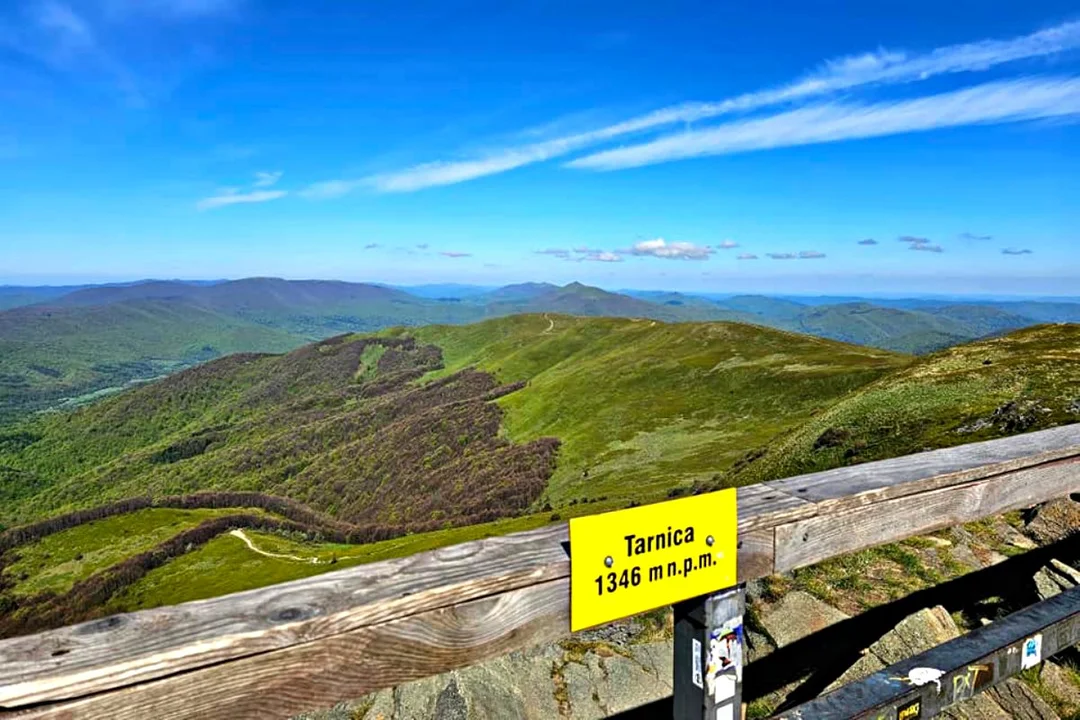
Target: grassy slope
[
  {"x": 58, "y": 561},
  {"x": 939, "y": 401},
  {"x": 47, "y": 353},
  {"x": 336, "y": 425},
  {"x": 642, "y": 407}
]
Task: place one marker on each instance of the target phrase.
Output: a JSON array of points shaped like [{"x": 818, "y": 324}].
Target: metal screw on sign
[
  {"x": 709, "y": 541},
  {"x": 608, "y": 562}
]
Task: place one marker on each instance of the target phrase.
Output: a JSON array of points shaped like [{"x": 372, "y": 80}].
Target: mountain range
[{"x": 61, "y": 346}]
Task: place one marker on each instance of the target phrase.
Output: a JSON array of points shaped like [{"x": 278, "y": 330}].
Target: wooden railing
[{"x": 307, "y": 644}]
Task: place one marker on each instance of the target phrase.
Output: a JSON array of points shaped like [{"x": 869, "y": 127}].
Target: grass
[
  {"x": 949, "y": 398},
  {"x": 642, "y": 407},
  {"x": 56, "y": 562}
]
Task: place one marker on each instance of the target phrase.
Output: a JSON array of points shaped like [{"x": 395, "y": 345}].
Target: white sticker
[
  {"x": 725, "y": 713},
  {"x": 725, "y": 688},
  {"x": 696, "y": 663},
  {"x": 1031, "y": 652}
]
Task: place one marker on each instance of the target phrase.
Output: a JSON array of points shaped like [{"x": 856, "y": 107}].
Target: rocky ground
[{"x": 604, "y": 672}]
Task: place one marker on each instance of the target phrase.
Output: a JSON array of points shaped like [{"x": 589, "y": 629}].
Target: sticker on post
[
  {"x": 1031, "y": 652},
  {"x": 695, "y": 662},
  {"x": 724, "y": 668},
  {"x": 626, "y": 562}
]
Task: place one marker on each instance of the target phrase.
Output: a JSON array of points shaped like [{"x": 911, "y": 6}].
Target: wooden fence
[{"x": 310, "y": 643}]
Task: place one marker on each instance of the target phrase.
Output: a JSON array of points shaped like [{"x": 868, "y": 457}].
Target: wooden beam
[
  {"x": 157, "y": 654},
  {"x": 320, "y": 673},
  {"x": 806, "y": 542}
]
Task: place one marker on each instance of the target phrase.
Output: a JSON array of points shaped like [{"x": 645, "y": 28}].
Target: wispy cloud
[
  {"x": 371, "y": 246},
  {"x": 833, "y": 76},
  {"x": 1017, "y": 251},
  {"x": 266, "y": 179},
  {"x": 747, "y": 256},
  {"x": 996, "y": 102},
  {"x": 971, "y": 236},
  {"x": 236, "y": 196},
  {"x": 670, "y": 250},
  {"x": 599, "y": 256},
  {"x": 728, "y": 245},
  {"x": 554, "y": 252},
  {"x": 803, "y": 255},
  {"x": 454, "y": 254},
  {"x": 920, "y": 243},
  {"x": 422, "y": 246},
  {"x": 232, "y": 197},
  {"x": 868, "y": 241}
]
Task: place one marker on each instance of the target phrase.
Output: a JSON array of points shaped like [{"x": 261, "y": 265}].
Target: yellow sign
[{"x": 628, "y": 561}]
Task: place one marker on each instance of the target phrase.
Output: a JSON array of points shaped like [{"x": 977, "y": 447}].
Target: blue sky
[{"x": 844, "y": 147}]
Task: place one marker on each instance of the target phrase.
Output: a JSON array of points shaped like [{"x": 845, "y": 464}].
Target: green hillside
[
  {"x": 48, "y": 353},
  {"x": 640, "y": 407},
  {"x": 643, "y": 407},
  {"x": 1024, "y": 381}
]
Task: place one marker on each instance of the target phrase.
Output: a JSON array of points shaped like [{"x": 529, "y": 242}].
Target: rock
[
  {"x": 1074, "y": 407},
  {"x": 1012, "y": 536},
  {"x": 963, "y": 554},
  {"x": 1066, "y": 571},
  {"x": 915, "y": 634},
  {"x": 1021, "y": 702},
  {"x": 1055, "y": 521},
  {"x": 797, "y": 615},
  {"x": 1054, "y": 579},
  {"x": 938, "y": 541},
  {"x": 450, "y": 703},
  {"x": 1045, "y": 586},
  {"x": 1057, "y": 683},
  {"x": 758, "y": 645}
]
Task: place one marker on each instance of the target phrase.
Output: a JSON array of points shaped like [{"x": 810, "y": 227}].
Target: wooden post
[{"x": 709, "y": 648}]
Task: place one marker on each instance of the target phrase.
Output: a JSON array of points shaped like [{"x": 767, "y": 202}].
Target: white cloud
[
  {"x": 747, "y": 256},
  {"x": 235, "y": 198},
  {"x": 330, "y": 189},
  {"x": 868, "y": 241},
  {"x": 599, "y": 256},
  {"x": 728, "y": 244},
  {"x": 923, "y": 247},
  {"x": 997, "y": 102},
  {"x": 846, "y": 73},
  {"x": 811, "y": 255},
  {"x": 782, "y": 256},
  {"x": 454, "y": 254},
  {"x": 266, "y": 179},
  {"x": 670, "y": 250},
  {"x": 1017, "y": 251}
]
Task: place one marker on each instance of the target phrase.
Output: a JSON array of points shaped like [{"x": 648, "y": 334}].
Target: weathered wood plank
[
  {"x": 937, "y": 468},
  {"x": 765, "y": 505},
  {"x": 806, "y": 542},
  {"x": 136, "y": 647},
  {"x": 318, "y": 674},
  {"x": 756, "y": 554}
]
